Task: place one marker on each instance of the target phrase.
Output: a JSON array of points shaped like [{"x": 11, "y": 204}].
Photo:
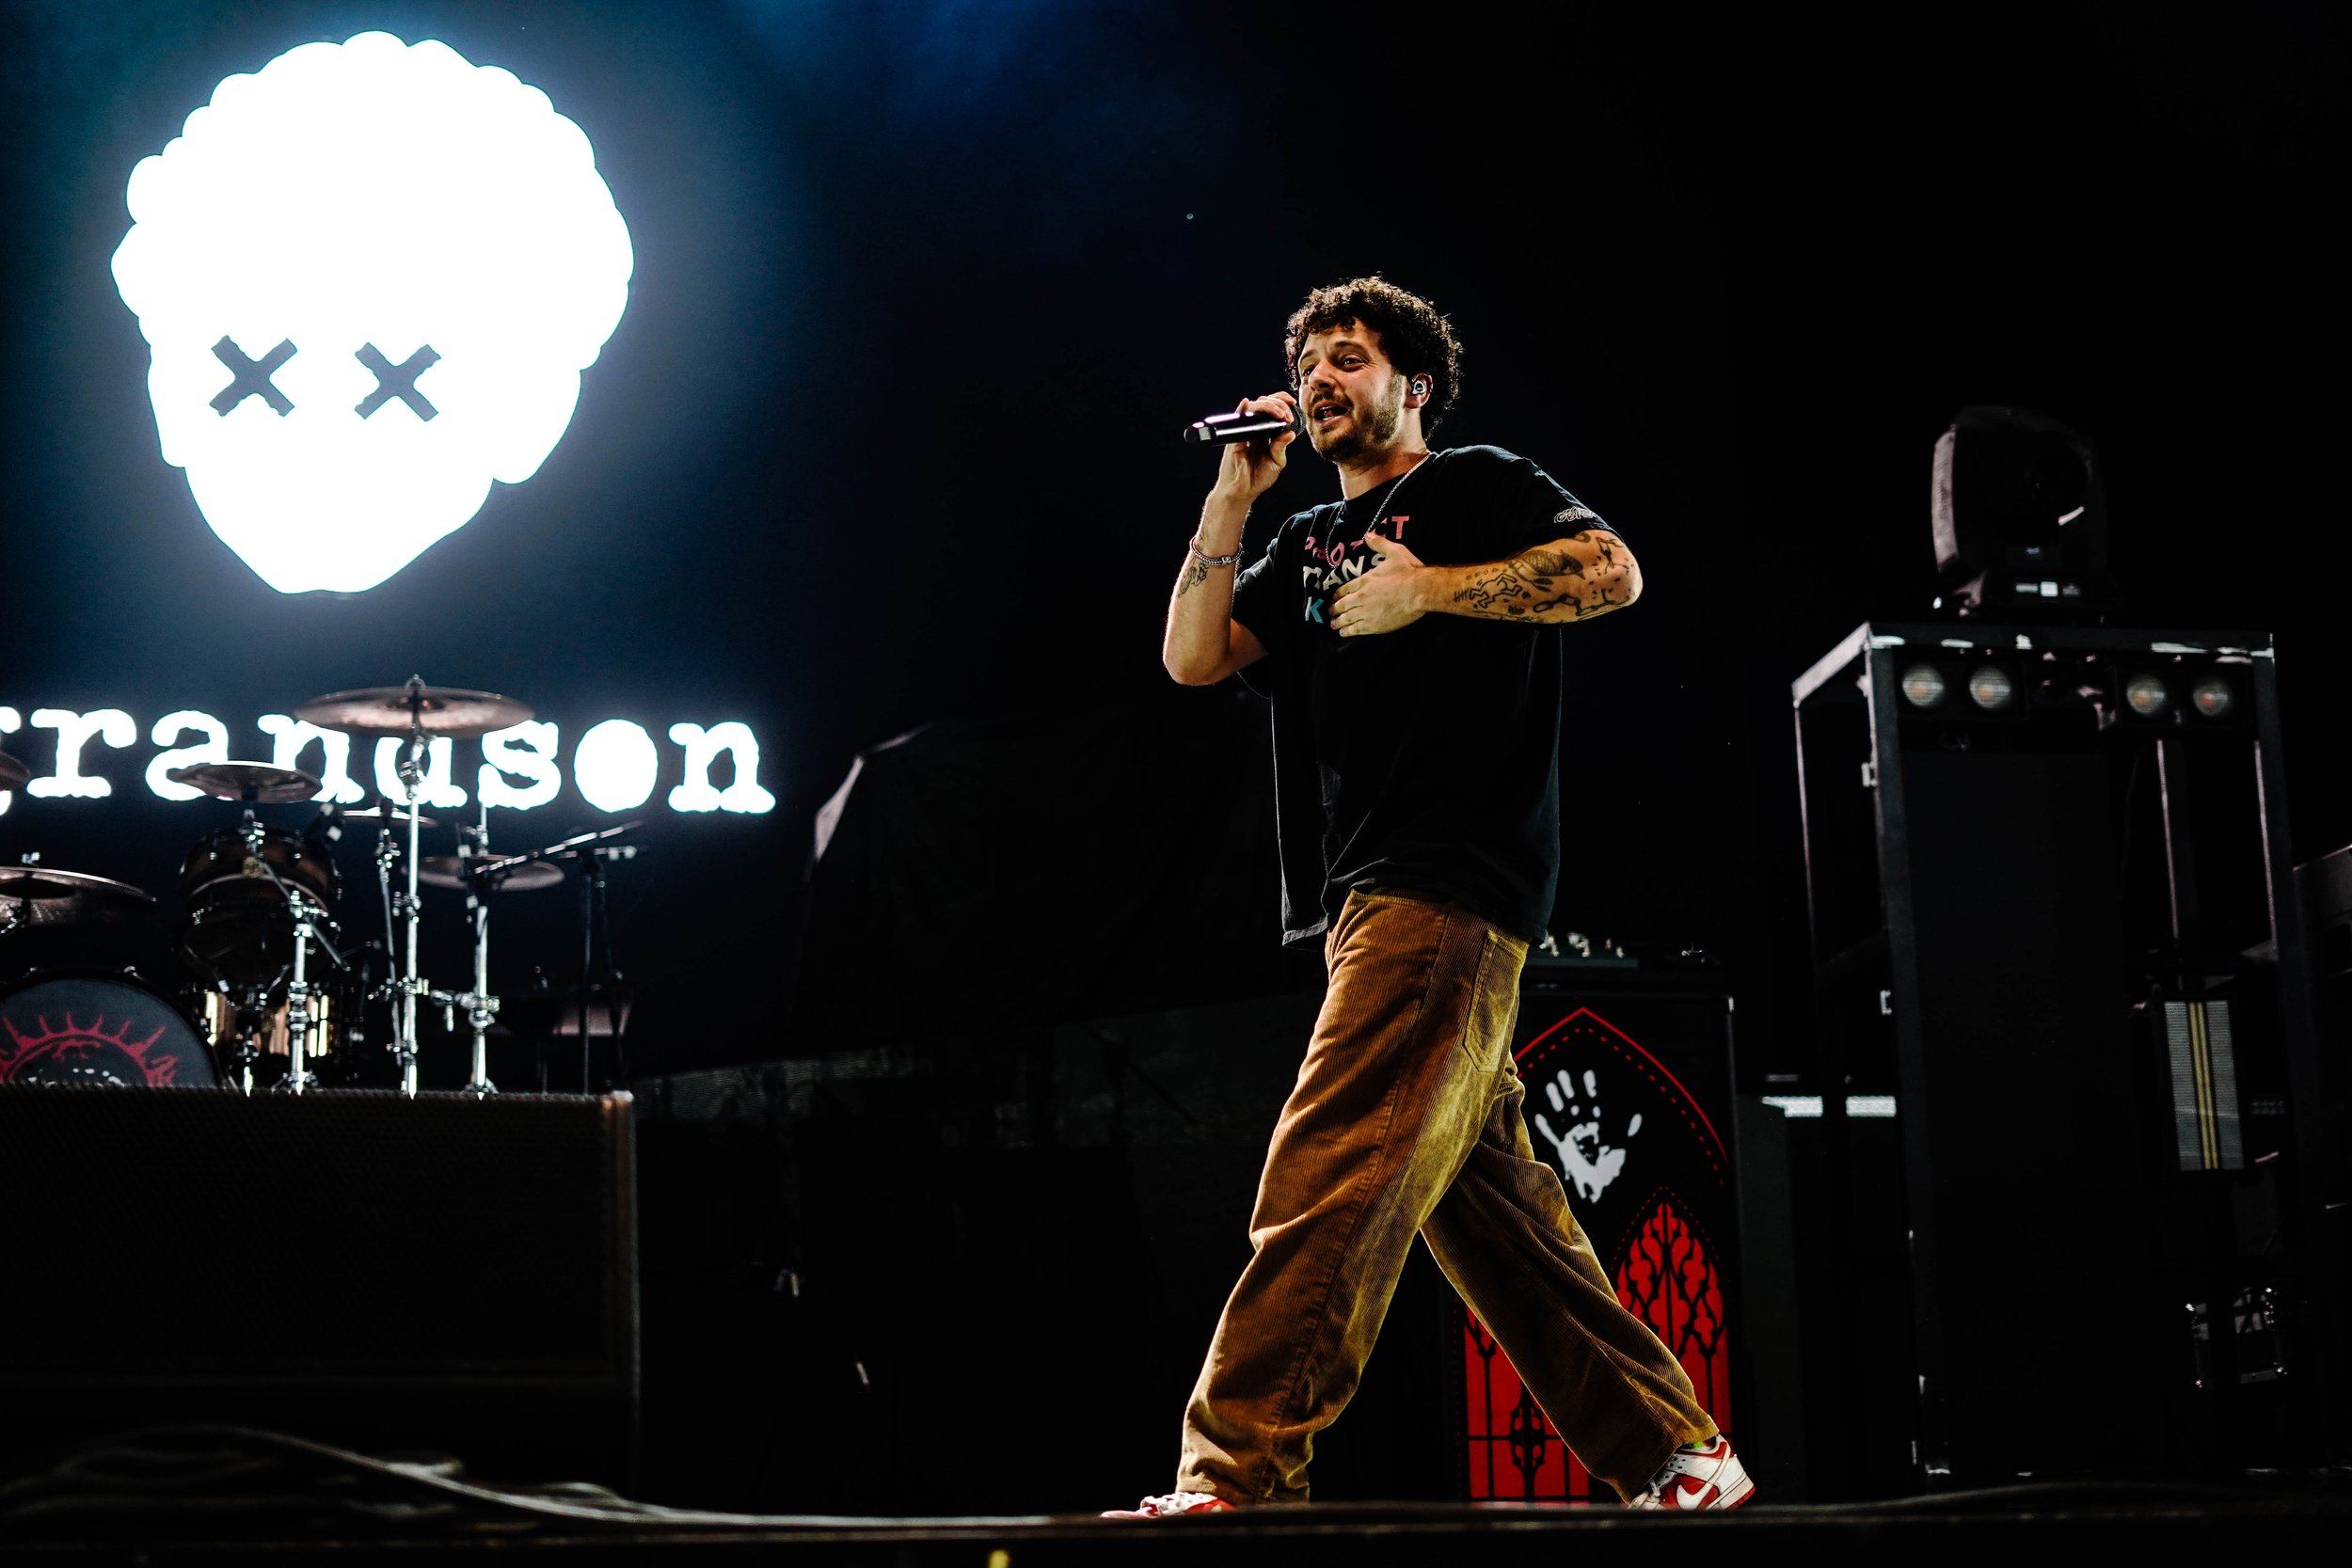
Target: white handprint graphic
[{"x": 1589, "y": 1163}]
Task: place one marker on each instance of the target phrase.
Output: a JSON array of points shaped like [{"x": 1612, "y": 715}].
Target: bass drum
[
  {"x": 98, "y": 1028},
  {"x": 236, "y": 931}
]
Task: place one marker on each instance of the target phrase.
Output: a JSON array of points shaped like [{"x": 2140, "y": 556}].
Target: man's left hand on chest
[{"x": 1385, "y": 598}]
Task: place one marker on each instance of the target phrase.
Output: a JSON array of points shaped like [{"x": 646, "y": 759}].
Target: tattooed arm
[
  {"x": 1203, "y": 643},
  {"x": 1575, "y": 578}
]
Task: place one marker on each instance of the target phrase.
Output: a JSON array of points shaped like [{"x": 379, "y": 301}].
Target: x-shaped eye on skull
[
  {"x": 397, "y": 381},
  {"x": 252, "y": 376}
]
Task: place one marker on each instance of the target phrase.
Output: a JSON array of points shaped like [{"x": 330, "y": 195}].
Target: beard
[{"x": 1368, "y": 436}]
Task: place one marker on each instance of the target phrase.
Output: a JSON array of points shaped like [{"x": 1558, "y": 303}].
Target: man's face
[{"x": 1354, "y": 398}]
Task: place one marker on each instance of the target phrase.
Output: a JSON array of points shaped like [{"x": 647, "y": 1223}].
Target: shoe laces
[{"x": 1684, "y": 1461}]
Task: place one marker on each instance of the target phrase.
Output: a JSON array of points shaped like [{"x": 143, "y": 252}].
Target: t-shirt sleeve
[
  {"x": 1266, "y": 595},
  {"x": 1527, "y": 507}
]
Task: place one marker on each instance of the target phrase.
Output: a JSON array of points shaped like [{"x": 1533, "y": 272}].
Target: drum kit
[{"x": 279, "y": 992}]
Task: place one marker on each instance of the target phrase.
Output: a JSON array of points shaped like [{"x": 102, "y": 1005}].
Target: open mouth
[{"x": 1324, "y": 413}]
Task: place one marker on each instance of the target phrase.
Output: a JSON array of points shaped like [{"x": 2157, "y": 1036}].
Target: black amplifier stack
[{"x": 2058, "y": 953}]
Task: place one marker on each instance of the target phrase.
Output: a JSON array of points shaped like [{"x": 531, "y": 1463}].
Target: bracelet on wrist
[{"x": 1232, "y": 559}]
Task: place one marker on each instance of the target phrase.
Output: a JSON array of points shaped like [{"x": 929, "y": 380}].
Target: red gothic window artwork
[{"x": 1655, "y": 1233}]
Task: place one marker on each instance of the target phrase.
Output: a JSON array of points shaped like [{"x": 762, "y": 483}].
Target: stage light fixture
[
  {"x": 2147, "y": 696},
  {"x": 2212, "y": 697},
  {"x": 370, "y": 276},
  {"x": 2020, "y": 521},
  {"x": 1991, "y": 688},
  {"x": 1923, "y": 686}
]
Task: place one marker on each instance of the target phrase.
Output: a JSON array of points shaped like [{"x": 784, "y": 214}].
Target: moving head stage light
[{"x": 2021, "y": 521}]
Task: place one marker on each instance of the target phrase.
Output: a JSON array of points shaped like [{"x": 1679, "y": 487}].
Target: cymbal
[
  {"x": 529, "y": 877},
  {"x": 12, "y": 772},
  {"x": 250, "y": 782},
  {"x": 42, "y": 895},
  {"x": 388, "y": 812},
  {"x": 437, "y": 709}
]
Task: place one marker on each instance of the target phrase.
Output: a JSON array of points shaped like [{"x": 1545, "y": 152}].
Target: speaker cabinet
[
  {"x": 438, "y": 1272},
  {"x": 1629, "y": 1077}
]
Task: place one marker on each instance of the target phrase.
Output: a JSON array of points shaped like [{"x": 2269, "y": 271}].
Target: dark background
[{"x": 924, "y": 291}]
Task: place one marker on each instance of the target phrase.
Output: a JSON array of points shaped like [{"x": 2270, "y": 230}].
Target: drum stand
[
  {"x": 247, "y": 1021},
  {"x": 302, "y": 1025},
  {"x": 300, "y": 1021},
  {"x": 481, "y": 1008}
]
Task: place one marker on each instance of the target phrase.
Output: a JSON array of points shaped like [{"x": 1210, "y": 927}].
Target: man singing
[{"x": 1408, "y": 636}]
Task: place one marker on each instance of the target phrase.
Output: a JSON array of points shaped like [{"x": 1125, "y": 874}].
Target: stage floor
[{"x": 2152, "y": 1519}]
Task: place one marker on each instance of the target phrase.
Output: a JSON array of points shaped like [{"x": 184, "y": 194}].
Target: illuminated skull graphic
[{"x": 370, "y": 276}]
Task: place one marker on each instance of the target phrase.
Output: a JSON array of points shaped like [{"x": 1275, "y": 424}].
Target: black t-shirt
[{"x": 1427, "y": 758}]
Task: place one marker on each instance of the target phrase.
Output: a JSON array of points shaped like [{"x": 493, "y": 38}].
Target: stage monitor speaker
[
  {"x": 440, "y": 1274},
  {"x": 1629, "y": 1077}
]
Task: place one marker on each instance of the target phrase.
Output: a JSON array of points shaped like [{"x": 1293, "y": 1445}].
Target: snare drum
[
  {"x": 236, "y": 930},
  {"x": 98, "y": 1028}
]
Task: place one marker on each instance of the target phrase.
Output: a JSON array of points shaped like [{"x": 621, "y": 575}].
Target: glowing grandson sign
[
  {"x": 616, "y": 764},
  {"x": 370, "y": 276}
]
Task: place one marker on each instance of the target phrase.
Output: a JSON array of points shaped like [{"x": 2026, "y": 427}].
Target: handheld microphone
[{"x": 1220, "y": 428}]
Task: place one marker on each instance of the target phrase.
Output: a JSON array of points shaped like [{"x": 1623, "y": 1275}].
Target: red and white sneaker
[
  {"x": 1699, "y": 1475},
  {"x": 1173, "y": 1504}
]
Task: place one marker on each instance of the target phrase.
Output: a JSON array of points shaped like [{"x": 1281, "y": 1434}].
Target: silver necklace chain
[{"x": 1394, "y": 486}]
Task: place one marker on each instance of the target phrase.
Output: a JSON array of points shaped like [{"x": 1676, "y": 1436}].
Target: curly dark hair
[{"x": 1416, "y": 339}]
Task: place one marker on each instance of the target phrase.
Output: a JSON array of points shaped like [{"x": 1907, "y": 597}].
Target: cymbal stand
[
  {"x": 481, "y": 1008},
  {"x": 412, "y": 755},
  {"x": 387, "y": 855}
]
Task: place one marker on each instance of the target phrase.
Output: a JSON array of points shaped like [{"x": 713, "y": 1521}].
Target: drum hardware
[
  {"x": 418, "y": 712},
  {"x": 481, "y": 1008},
  {"x": 305, "y": 1023},
  {"x": 398, "y": 907},
  {"x": 411, "y": 776},
  {"x": 303, "y": 1038},
  {"x": 593, "y": 851},
  {"x": 481, "y": 876},
  {"x": 253, "y": 783},
  {"x": 237, "y": 1028},
  {"x": 387, "y": 811},
  {"x": 259, "y": 903}
]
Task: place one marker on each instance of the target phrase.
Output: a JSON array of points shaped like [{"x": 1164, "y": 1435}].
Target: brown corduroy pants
[{"x": 1405, "y": 1120}]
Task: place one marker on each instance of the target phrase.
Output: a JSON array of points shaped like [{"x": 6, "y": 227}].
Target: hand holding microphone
[
  {"x": 1244, "y": 425},
  {"x": 1256, "y": 436}
]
